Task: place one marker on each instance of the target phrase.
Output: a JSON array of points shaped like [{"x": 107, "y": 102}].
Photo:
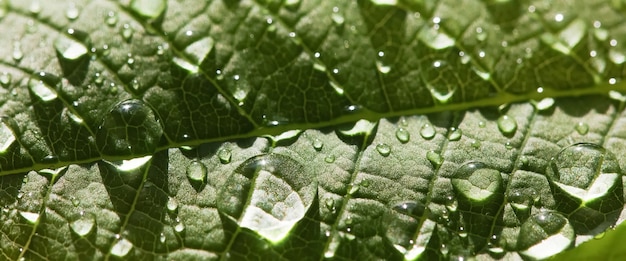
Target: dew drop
[
  {"x": 435, "y": 158},
  {"x": 197, "y": 172},
  {"x": 477, "y": 182},
  {"x": 382, "y": 68},
  {"x": 111, "y": 18},
  {"x": 545, "y": 234},
  {"x": 582, "y": 128},
  {"x": 5, "y": 79},
  {"x": 383, "y": 149},
  {"x": 30, "y": 217},
  {"x": 35, "y": 7},
  {"x": 121, "y": 247},
  {"x": 172, "y": 204},
  {"x": 150, "y": 9},
  {"x": 329, "y": 203},
  {"x": 44, "y": 86},
  {"x": 318, "y": 144},
  {"x": 329, "y": 159},
  {"x": 507, "y": 125},
  {"x": 225, "y": 155},
  {"x": 455, "y": 134},
  {"x": 17, "y": 51},
  {"x": 72, "y": 12},
  {"x": 544, "y": 104},
  {"x": 427, "y": 131},
  {"x": 199, "y": 49},
  {"x": 435, "y": 38},
  {"x": 130, "y": 128},
  {"x": 520, "y": 200},
  {"x": 354, "y": 188},
  {"x": 403, "y": 135},
  {"x": 162, "y": 237},
  {"x": 83, "y": 226},
  {"x": 179, "y": 226},
  {"x": 68, "y": 47},
  {"x": 127, "y": 32},
  {"x": 337, "y": 19},
  {"x": 475, "y": 144},
  {"x": 482, "y": 124},
  {"x": 7, "y": 137},
  {"x": 268, "y": 194}
]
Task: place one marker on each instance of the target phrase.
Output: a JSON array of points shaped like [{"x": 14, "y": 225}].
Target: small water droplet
[
  {"x": 197, "y": 172},
  {"x": 68, "y": 47},
  {"x": 329, "y": 158},
  {"x": 338, "y": 19},
  {"x": 30, "y": 217},
  {"x": 477, "y": 182},
  {"x": 451, "y": 203},
  {"x": 121, "y": 247},
  {"x": 544, "y": 104},
  {"x": 507, "y": 125},
  {"x": 127, "y": 32},
  {"x": 383, "y": 149},
  {"x": 329, "y": 203},
  {"x": 225, "y": 155},
  {"x": 44, "y": 86},
  {"x": 435, "y": 158},
  {"x": 382, "y": 68},
  {"x": 111, "y": 18},
  {"x": 6, "y": 79},
  {"x": 318, "y": 144},
  {"x": 455, "y": 134},
  {"x": 482, "y": 124},
  {"x": 475, "y": 144},
  {"x": 179, "y": 226},
  {"x": 427, "y": 131},
  {"x": 7, "y": 137},
  {"x": 354, "y": 188},
  {"x": 35, "y": 7},
  {"x": 83, "y": 226},
  {"x": 582, "y": 128},
  {"x": 130, "y": 128},
  {"x": 162, "y": 237},
  {"x": 403, "y": 135},
  {"x": 150, "y": 9},
  {"x": 520, "y": 200},
  {"x": 17, "y": 51},
  {"x": 72, "y": 12},
  {"x": 172, "y": 204}
]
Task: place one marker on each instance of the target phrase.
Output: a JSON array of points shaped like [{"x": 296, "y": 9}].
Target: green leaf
[{"x": 281, "y": 130}]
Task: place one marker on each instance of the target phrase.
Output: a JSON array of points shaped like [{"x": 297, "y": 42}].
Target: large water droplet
[
  {"x": 403, "y": 135},
  {"x": 150, "y": 9},
  {"x": 197, "y": 172},
  {"x": 44, "y": 86},
  {"x": 121, "y": 247},
  {"x": 507, "y": 125},
  {"x": 435, "y": 158},
  {"x": 545, "y": 234},
  {"x": 30, "y": 217},
  {"x": 383, "y": 149},
  {"x": 587, "y": 181},
  {"x": 427, "y": 131},
  {"x": 455, "y": 134},
  {"x": 268, "y": 194},
  {"x": 68, "y": 47},
  {"x": 7, "y": 137},
  {"x": 83, "y": 226},
  {"x": 477, "y": 182},
  {"x": 130, "y": 128}
]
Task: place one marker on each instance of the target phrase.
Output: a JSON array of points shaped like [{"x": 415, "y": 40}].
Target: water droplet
[
  {"x": 7, "y": 137},
  {"x": 330, "y": 203},
  {"x": 268, "y": 194},
  {"x": 482, "y": 124},
  {"x": 68, "y": 47},
  {"x": 172, "y": 204},
  {"x": 121, "y": 247},
  {"x": 427, "y": 131},
  {"x": 111, "y": 18},
  {"x": 225, "y": 155},
  {"x": 435, "y": 38},
  {"x": 475, "y": 144},
  {"x": 199, "y": 49},
  {"x": 72, "y": 12},
  {"x": 329, "y": 158},
  {"x": 150, "y": 9},
  {"x": 6, "y": 79},
  {"x": 435, "y": 158},
  {"x": 317, "y": 144},
  {"x": 587, "y": 178},
  {"x": 17, "y": 51},
  {"x": 44, "y": 86},
  {"x": 582, "y": 128},
  {"x": 477, "y": 182},
  {"x": 382, "y": 68},
  {"x": 197, "y": 172},
  {"x": 383, "y": 149},
  {"x": 337, "y": 18},
  {"x": 545, "y": 234},
  {"x": 30, "y": 217},
  {"x": 162, "y": 237},
  {"x": 544, "y": 104},
  {"x": 83, "y": 226},
  {"x": 403, "y": 135},
  {"x": 127, "y": 32},
  {"x": 455, "y": 134},
  {"x": 179, "y": 226},
  {"x": 507, "y": 125},
  {"x": 130, "y": 128},
  {"x": 451, "y": 203},
  {"x": 338, "y": 89},
  {"x": 35, "y": 7},
  {"x": 354, "y": 188},
  {"x": 520, "y": 200}
]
